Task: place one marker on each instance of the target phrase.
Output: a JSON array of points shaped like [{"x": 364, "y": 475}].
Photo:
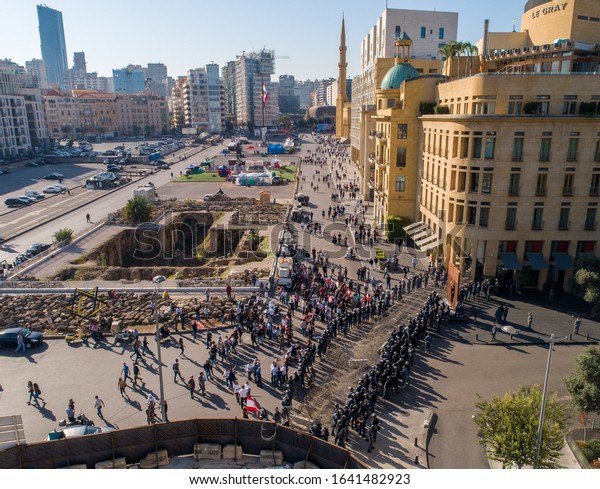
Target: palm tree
[
  {"x": 469, "y": 49},
  {"x": 138, "y": 209},
  {"x": 448, "y": 51}
]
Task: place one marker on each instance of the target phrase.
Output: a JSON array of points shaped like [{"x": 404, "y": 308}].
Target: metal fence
[{"x": 178, "y": 438}]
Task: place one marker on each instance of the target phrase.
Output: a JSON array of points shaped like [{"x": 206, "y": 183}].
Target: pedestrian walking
[
  {"x": 125, "y": 371},
  {"x": 372, "y": 437},
  {"x": 136, "y": 374},
  {"x": 494, "y": 332},
  {"x": 201, "y": 383},
  {"x": 177, "y": 372},
  {"x": 88, "y": 217},
  {"x": 99, "y": 404},
  {"x": 31, "y": 392},
  {"x": 122, "y": 384},
  {"x": 136, "y": 351},
  {"x": 576, "y": 325},
  {"x": 529, "y": 321},
  {"x": 181, "y": 347},
  {"x": 191, "y": 386},
  {"x": 20, "y": 343},
  {"x": 36, "y": 393},
  {"x": 145, "y": 348}
]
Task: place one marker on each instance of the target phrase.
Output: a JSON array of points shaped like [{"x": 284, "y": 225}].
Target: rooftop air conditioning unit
[
  {"x": 517, "y": 51},
  {"x": 557, "y": 45},
  {"x": 509, "y": 52},
  {"x": 536, "y": 48},
  {"x": 546, "y": 47},
  {"x": 525, "y": 50}
]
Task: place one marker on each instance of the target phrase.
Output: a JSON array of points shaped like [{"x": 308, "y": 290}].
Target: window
[
  {"x": 597, "y": 152},
  {"x": 569, "y": 108},
  {"x": 540, "y": 187},
  {"x": 590, "y": 219},
  {"x": 534, "y": 246},
  {"x": 400, "y": 157},
  {"x": 511, "y": 219},
  {"x": 568, "y": 184},
  {"x": 507, "y": 246},
  {"x": 514, "y": 108},
  {"x": 486, "y": 183},
  {"x": 398, "y": 32},
  {"x": 484, "y": 217},
  {"x": 391, "y": 103},
  {"x": 490, "y": 145},
  {"x": 462, "y": 181},
  {"x": 595, "y": 185},
  {"x": 572, "y": 149},
  {"x": 472, "y": 215},
  {"x": 563, "y": 219},
  {"x": 477, "y": 145},
  {"x": 400, "y": 184},
  {"x": 423, "y": 32},
  {"x": 538, "y": 214},
  {"x": 586, "y": 246},
  {"x": 559, "y": 247},
  {"x": 545, "y": 149},
  {"x": 441, "y": 33},
  {"x": 402, "y": 131},
  {"x": 513, "y": 184},
  {"x": 517, "y": 152},
  {"x": 474, "y": 182}
]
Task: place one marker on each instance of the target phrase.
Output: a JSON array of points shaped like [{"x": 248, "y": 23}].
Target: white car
[
  {"x": 54, "y": 189},
  {"x": 34, "y": 194}
]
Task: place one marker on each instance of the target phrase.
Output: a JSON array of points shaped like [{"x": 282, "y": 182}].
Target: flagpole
[{"x": 263, "y": 99}]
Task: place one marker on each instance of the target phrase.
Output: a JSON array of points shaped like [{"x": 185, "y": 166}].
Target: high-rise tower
[
  {"x": 52, "y": 41},
  {"x": 341, "y": 103}
]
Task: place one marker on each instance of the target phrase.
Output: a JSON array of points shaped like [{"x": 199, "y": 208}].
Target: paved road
[{"x": 64, "y": 204}]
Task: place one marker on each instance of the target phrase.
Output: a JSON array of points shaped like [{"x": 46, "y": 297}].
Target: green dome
[{"x": 397, "y": 74}]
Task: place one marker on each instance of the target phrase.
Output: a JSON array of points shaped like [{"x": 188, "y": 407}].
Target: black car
[
  {"x": 8, "y": 337},
  {"x": 36, "y": 249},
  {"x": 16, "y": 202},
  {"x": 54, "y": 176}
]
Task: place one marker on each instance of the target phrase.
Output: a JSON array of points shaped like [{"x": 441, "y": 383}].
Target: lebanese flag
[
  {"x": 265, "y": 94},
  {"x": 252, "y": 405}
]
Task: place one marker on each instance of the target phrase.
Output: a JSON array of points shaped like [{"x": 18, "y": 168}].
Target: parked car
[
  {"x": 32, "y": 164},
  {"x": 54, "y": 189},
  {"x": 30, "y": 200},
  {"x": 16, "y": 202},
  {"x": 8, "y": 337},
  {"x": 164, "y": 166},
  {"x": 114, "y": 168},
  {"x": 34, "y": 194},
  {"x": 54, "y": 176},
  {"x": 3, "y": 172},
  {"x": 36, "y": 249}
]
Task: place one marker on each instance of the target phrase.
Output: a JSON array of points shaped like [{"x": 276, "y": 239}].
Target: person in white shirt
[
  {"x": 243, "y": 396},
  {"x": 236, "y": 391}
]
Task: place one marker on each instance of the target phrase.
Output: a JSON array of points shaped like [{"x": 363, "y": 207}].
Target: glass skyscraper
[{"x": 52, "y": 40}]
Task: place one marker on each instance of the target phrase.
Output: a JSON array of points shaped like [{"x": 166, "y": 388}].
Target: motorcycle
[
  {"x": 350, "y": 254},
  {"x": 82, "y": 419}
]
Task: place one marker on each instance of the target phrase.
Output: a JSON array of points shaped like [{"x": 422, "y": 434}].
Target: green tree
[
  {"x": 470, "y": 50},
  {"x": 587, "y": 280},
  {"x": 508, "y": 428},
  {"x": 64, "y": 235},
  {"x": 138, "y": 209},
  {"x": 584, "y": 383}
]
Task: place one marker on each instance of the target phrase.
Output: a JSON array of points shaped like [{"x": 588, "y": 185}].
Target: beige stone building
[{"x": 506, "y": 171}]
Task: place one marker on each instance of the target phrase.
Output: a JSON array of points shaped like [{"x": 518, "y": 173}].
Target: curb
[{"x": 422, "y": 441}]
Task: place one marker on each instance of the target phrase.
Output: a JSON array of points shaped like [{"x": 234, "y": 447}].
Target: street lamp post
[
  {"x": 158, "y": 280},
  {"x": 538, "y": 440}
]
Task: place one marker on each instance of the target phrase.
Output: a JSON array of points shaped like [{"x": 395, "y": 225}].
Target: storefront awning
[
  {"x": 510, "y": 261},
  {"x": 536, "y": 261},
  {"x": 563, "y": 261}
]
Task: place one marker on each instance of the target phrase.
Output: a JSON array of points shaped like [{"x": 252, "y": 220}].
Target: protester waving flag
[
  {"x": 252, "y": 406},
  {"x": 265, "y": 94}
]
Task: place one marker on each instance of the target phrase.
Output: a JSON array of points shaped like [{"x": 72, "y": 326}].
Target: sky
[{"x": 187, "y": 34}]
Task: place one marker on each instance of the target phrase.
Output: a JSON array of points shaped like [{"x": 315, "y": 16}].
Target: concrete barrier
[
  {"x": 118, "y": 463},
  {"x": 207, "y": 451},
  {"x": 154, "y": 460},
  {"x": 232, "y": 452},
  {"x": 271, "y": 457}
]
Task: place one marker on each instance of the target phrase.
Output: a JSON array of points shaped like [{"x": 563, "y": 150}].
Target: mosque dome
[{"x": 399, "y": 73}]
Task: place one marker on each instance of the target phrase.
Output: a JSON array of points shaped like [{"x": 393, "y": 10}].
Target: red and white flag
[
  {"x": 252, "y": 405},
  {"x": 265, "y": 94}
]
